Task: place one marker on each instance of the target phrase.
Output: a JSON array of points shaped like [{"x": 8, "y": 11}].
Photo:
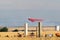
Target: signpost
[{"x": 39, "y": 25}]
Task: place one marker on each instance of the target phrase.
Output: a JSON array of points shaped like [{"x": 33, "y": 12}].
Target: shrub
[
  {"x": 16, "y": 30},
  {"x": 4, "y": 29}
]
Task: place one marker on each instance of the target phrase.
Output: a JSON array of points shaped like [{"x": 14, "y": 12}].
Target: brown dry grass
[
  {"x": 29, "y": 38},
  {"x": 11, "y": 36}
]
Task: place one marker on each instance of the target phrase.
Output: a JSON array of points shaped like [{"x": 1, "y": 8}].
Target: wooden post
[
  {"x": 36, "y": 31},
  {"x": 39, "y": 29}
]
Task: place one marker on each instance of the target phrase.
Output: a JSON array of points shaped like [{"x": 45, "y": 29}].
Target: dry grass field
[
  {"x": 13, "y": 36},
  {"x": 29, "y": 38}
]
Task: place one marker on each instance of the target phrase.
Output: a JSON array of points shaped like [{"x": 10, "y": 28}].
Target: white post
[
  {"x": 26, "y": 29},
  {"x": 57, "y": 28}
]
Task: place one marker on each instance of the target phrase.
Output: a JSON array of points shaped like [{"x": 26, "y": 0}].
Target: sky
[{"x": 17, "y": 12}]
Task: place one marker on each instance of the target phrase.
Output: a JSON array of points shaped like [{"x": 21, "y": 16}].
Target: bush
[
  {"x": 16, "y": 30},
  {"x": 32, "y": 34},
  {"x": 19, "y": 35},
  {"x": 4, "y": 29}
]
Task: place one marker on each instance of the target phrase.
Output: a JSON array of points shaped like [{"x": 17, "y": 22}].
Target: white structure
[
  {"x": 26, "y": 29},
  {"x": 57, "y": 28}
]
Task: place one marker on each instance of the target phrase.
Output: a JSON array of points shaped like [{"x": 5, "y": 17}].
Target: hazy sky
[{"x": 16, "y": 12}]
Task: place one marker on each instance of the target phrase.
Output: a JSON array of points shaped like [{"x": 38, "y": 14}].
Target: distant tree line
[{"x": 4, "y": 29}]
